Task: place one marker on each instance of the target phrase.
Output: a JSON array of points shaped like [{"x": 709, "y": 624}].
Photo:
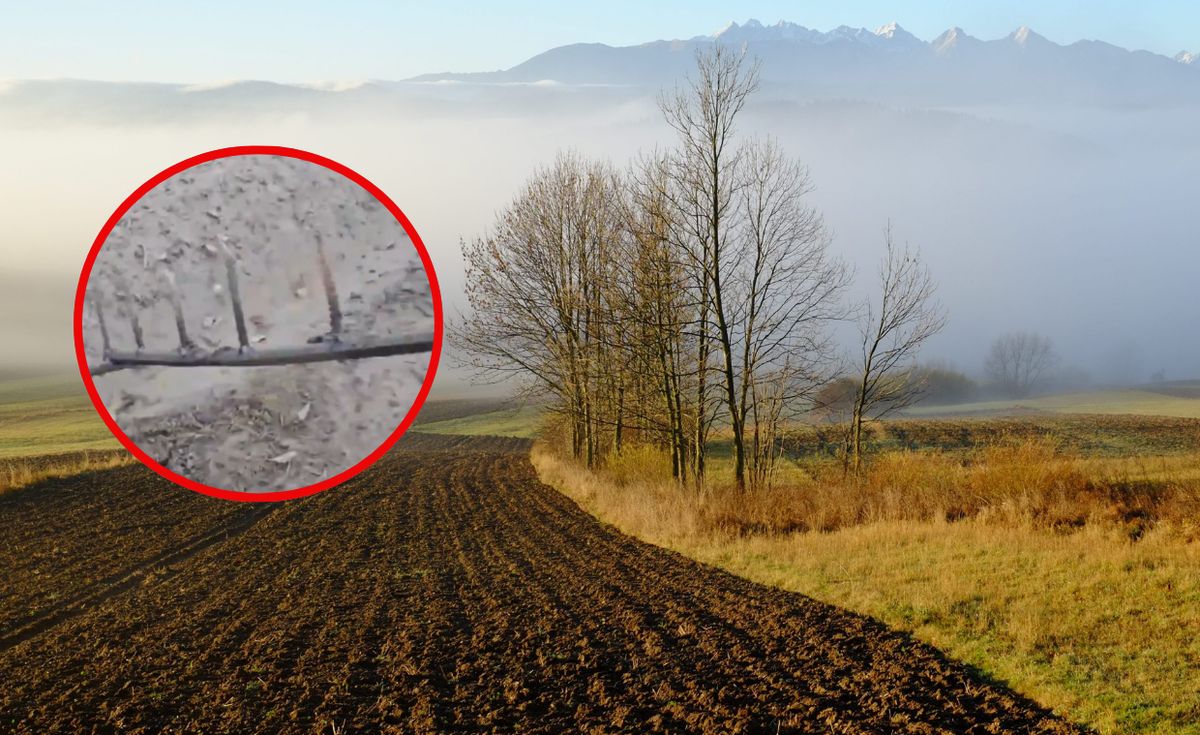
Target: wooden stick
[
  {"x": 235, "y": 296},
  {"x": 137, "y": 331},
  {"x": 103, "y": 327},
  {"x": 185, "y": 342},
  {"x": 131, "y": 305},
  {"x": 331, "y": 295}
]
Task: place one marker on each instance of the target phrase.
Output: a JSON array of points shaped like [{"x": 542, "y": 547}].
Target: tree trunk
[
  {"x": 856, "y": 430},
  {"x": 620, "y": 419},
  {"x": 735, "y": 413}
]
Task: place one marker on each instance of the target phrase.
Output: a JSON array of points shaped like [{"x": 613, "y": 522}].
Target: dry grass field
[{"x": 1058, "y": 554}]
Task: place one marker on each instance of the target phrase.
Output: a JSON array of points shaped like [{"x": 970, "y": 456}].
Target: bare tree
[
  {"x": 659, "y": 313},
  {"x": 765, "y": 285},
  {"x": 892, "y": 334},
  {"x": 786, "y": 289},
  {"x": 697, "y": 288},
  {"x": 1018, "y": 361},
  {"x": 536, "y": 289},
  {"x": 706, "y": 172}
]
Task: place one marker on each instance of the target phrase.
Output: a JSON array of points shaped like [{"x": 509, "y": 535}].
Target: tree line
[
  {"x": 693, "y": 291},
  {"x": 1017, "y": 365}
]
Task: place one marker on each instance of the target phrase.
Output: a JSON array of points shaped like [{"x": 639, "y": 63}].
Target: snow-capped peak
[
  {"x": 1024, "y": 36},
  {"x": 754, "y": 30},
  {"x": 948, "y": 40},
  {"x": 889, "y": 30},
  {"x": 952, "y": 40},
  {"x": 849, "y": 33},
  {"x": 1188, "y": 57},
  {"x": 730, "y": 26},
  {"x": 893, "y": 34}
]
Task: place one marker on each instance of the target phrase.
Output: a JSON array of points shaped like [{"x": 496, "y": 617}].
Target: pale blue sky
[{"x": 354, "y": 40}]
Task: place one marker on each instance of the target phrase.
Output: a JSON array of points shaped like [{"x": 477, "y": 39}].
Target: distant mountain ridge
[
  {"x": 887, "y": 65},
  {"x": 860, "y": 62},
  {"x": 891, "y": 34}
]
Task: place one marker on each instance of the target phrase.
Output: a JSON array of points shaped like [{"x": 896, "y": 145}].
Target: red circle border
[{"x": 250, "y": 496}]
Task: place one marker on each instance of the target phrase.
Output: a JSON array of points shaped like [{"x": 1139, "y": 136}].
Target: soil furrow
[
  {"x": 447, "y": 590},
  {"x": 164, "y": 564}
]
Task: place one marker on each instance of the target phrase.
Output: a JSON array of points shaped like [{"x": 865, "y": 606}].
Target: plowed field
[{"x": 444, "y": 590}]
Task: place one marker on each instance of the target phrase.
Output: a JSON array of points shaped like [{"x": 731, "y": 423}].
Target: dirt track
[{"x": 445, "y": 590}]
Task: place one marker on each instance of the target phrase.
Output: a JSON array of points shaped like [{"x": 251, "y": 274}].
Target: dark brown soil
[{"x": 445, "y": 590}]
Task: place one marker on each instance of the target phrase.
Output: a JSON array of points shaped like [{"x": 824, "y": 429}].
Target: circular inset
[{"x": 258, "y": 323}]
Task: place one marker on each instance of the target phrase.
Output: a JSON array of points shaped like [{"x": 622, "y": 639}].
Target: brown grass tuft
[{"x": 1028, "y": 482}]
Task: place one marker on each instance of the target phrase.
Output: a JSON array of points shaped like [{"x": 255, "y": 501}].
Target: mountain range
[{"x": 888, "y": 63}]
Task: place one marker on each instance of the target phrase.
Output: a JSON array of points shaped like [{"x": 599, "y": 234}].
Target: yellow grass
[
  {"x": 1036, "y": 586},
  {"x": 49, "y": 428},
  {"x": 16, "y": 473},
  {"x": 1102, "y": 630}
]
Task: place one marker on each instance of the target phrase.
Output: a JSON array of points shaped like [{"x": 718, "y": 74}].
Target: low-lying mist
[{"x": 1076, "y": 223}]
